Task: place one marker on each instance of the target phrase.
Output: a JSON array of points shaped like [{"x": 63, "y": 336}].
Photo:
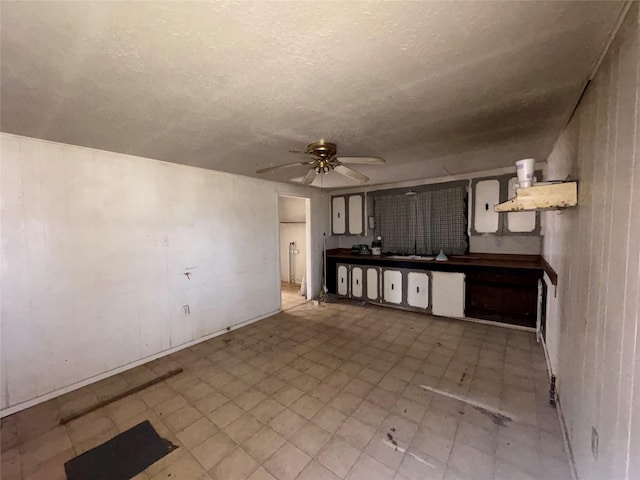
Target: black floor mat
[{"x": 122, "y": 457}]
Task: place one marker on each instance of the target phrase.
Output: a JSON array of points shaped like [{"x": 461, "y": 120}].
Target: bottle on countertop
[
  {"x": 442, "y": 257},
  {"x": 376, "y": 246}
]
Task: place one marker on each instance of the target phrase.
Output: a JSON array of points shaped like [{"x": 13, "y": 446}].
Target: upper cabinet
[
  {"x": 356, "y": 215},
  {"x": 486, "y": 195},
  {"x": 338, "y": 215},
  {"x": 489, "y": 192},
  {"x": 347, "y": 214}
]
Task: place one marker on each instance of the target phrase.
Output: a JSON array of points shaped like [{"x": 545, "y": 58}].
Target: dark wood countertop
[{"x": 461, "y": 262}]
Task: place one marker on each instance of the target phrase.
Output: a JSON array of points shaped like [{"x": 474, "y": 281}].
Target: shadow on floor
[{"x": 291, "y": 295}]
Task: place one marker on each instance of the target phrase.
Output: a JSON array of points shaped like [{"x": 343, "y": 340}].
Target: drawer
[{"x": 504, "y": 276}]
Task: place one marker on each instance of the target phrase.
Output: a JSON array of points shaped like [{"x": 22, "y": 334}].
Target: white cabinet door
[
  {"x": 418, "y": 289},
  {"x": 373, "y": 288},
  {"x": 392, "y": 286},
  {"x": 486, "y": 196},
  {"x": 447, "y": 294},
  {"x": 356, "y": 282},
  {"x": 338, "y": 213},
  {"x": 355, "y": 215},
  {"x": 343, "y": 280},
  {"x": 519, "y": 221}
]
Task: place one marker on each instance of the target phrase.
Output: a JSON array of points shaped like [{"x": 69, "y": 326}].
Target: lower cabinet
[
  {"x": 506, "y": 295},
  {"x": 391, "y": 286},
  {"x": 418, "y": 290},
  {"x": 373, "y": 283},
  {"x": 357, "y": 286},
  {"x": 448, "y": 294},
  {"x": 503, "y": 296},
  {"x": 342, "y": 285},
  {"x": 409, "y": 289}
]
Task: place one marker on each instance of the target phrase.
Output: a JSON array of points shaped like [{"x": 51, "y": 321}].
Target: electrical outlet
[
  {"x": 594, "y": 442},
  {"x": 186, "y": 310}
]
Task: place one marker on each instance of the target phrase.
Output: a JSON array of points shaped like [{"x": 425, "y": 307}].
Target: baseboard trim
[
  {"x": 96, "y": 378},
  {"x": 464, "y": 319},
  {"x": 498, "y": 324},
  {"x": 563, "y": 425}
]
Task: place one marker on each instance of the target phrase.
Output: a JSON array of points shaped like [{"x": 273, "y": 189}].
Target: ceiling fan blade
[
  {"x": 351, "y": 173},
  {"x": 309, "y": 177},
  {"x": 367, "y": 160},
  {"x": 269, "y": 169}
]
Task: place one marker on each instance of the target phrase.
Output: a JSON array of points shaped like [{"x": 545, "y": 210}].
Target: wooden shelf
[{"x": 542, "y": 197}]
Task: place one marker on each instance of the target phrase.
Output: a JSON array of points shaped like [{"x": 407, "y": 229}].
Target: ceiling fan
[{"x": 324, "y": 159}]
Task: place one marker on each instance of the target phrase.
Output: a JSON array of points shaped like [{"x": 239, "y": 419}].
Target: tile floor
[
  {"x": 321, "y": 393},
  {"x": 290, "y": 295}
]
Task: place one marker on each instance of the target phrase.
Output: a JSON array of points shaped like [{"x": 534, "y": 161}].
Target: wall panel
[
  {"x": 101, "y": 251},
  {"x": 595, "y": 248}
]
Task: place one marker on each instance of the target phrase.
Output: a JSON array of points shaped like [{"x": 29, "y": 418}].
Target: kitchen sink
[{"x": 409, "y": 257}]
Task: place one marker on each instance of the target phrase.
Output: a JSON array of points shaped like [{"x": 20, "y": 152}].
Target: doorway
[{"x": 293, "y": 227}]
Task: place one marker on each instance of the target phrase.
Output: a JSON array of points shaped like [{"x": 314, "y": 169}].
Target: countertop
[{"x": 473, "y": 260}]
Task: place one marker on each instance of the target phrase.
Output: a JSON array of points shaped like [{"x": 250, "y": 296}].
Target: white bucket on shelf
[{"x": 525, "y": 169}]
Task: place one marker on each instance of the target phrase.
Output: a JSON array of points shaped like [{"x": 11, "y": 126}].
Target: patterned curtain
[
  {"x": 431, "y": 220},
  {"x": 396, "y": 222},
  {"x": 424, "y": 240},
  {"x": 442, "y": 221}
]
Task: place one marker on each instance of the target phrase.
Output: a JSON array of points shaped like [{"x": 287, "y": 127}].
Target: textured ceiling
[{"x": 431, "y": 87}]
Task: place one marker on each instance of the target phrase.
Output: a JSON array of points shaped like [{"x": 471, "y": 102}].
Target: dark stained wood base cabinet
[{"x": 500, "y": 295}]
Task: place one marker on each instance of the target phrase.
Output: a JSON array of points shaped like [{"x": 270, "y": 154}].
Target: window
[{"x": 423, "y": 220}]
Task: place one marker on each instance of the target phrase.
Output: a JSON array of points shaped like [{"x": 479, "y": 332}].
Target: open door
[{"x": 293, "y": 235}]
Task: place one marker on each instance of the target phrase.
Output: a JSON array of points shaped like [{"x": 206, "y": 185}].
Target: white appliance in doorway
[{"x": 293, "y": 226}]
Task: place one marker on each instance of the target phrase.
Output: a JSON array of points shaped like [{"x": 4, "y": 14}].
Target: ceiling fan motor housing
[{"x": 322, "y": 149}]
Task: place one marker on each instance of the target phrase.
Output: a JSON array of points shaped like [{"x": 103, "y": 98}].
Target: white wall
[
  {"x": 95, "y": 247},
  {"x": 291, "y": 209},
  {"x": 506, "y": 244},
  {"x": 593, "y": 333},
  {"x": 292, "y": 214}
]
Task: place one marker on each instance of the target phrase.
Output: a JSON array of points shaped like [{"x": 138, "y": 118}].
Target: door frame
[{"x": 307, "y": 221}]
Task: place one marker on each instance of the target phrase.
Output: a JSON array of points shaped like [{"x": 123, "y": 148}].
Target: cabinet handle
[
  {"x": 486, "y": 207},
  {"x": 392, "y": 286},
  {"x": 418, "y": 289},
  {"x": 357, "y": 282},
  {"x": 342, "y": 280},
  {"x": 339, "y": 212}
]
